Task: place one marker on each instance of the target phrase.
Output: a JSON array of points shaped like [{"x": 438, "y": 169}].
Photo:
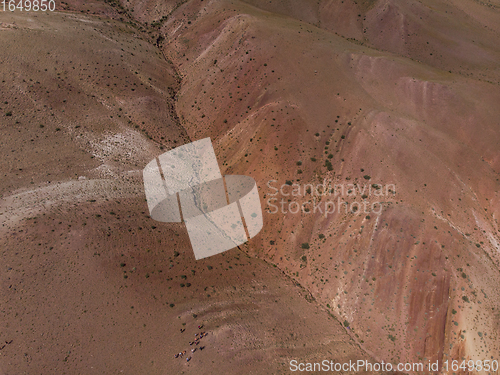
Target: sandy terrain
[
  {"x": 359, "y": 94},
  {"x": 90, "y": 284}
]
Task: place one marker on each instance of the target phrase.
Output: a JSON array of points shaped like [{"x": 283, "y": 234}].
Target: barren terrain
[{"x": 365, "y": 95}]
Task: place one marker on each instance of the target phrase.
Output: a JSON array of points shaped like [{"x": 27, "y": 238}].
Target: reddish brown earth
[
  {"x": 394, "y": 94},
  {"x": 90, "y": 284}
]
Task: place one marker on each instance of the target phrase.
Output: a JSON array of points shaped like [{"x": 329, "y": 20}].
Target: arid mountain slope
[
  {"x": 419, "y": 280},
  {"x": 457, "y": 35},
  {"x": 89, "y": 283},
  {"x": 394, "y": 102}
]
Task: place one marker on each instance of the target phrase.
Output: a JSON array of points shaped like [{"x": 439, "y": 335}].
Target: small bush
[{"x": 305, "y": 245}]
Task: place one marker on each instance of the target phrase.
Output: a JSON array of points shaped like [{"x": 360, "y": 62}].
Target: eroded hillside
[
  {"x": 89, "y": 282},
  {"x": 287, "y": 101},
  {"x": 395, "y": 103}
]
